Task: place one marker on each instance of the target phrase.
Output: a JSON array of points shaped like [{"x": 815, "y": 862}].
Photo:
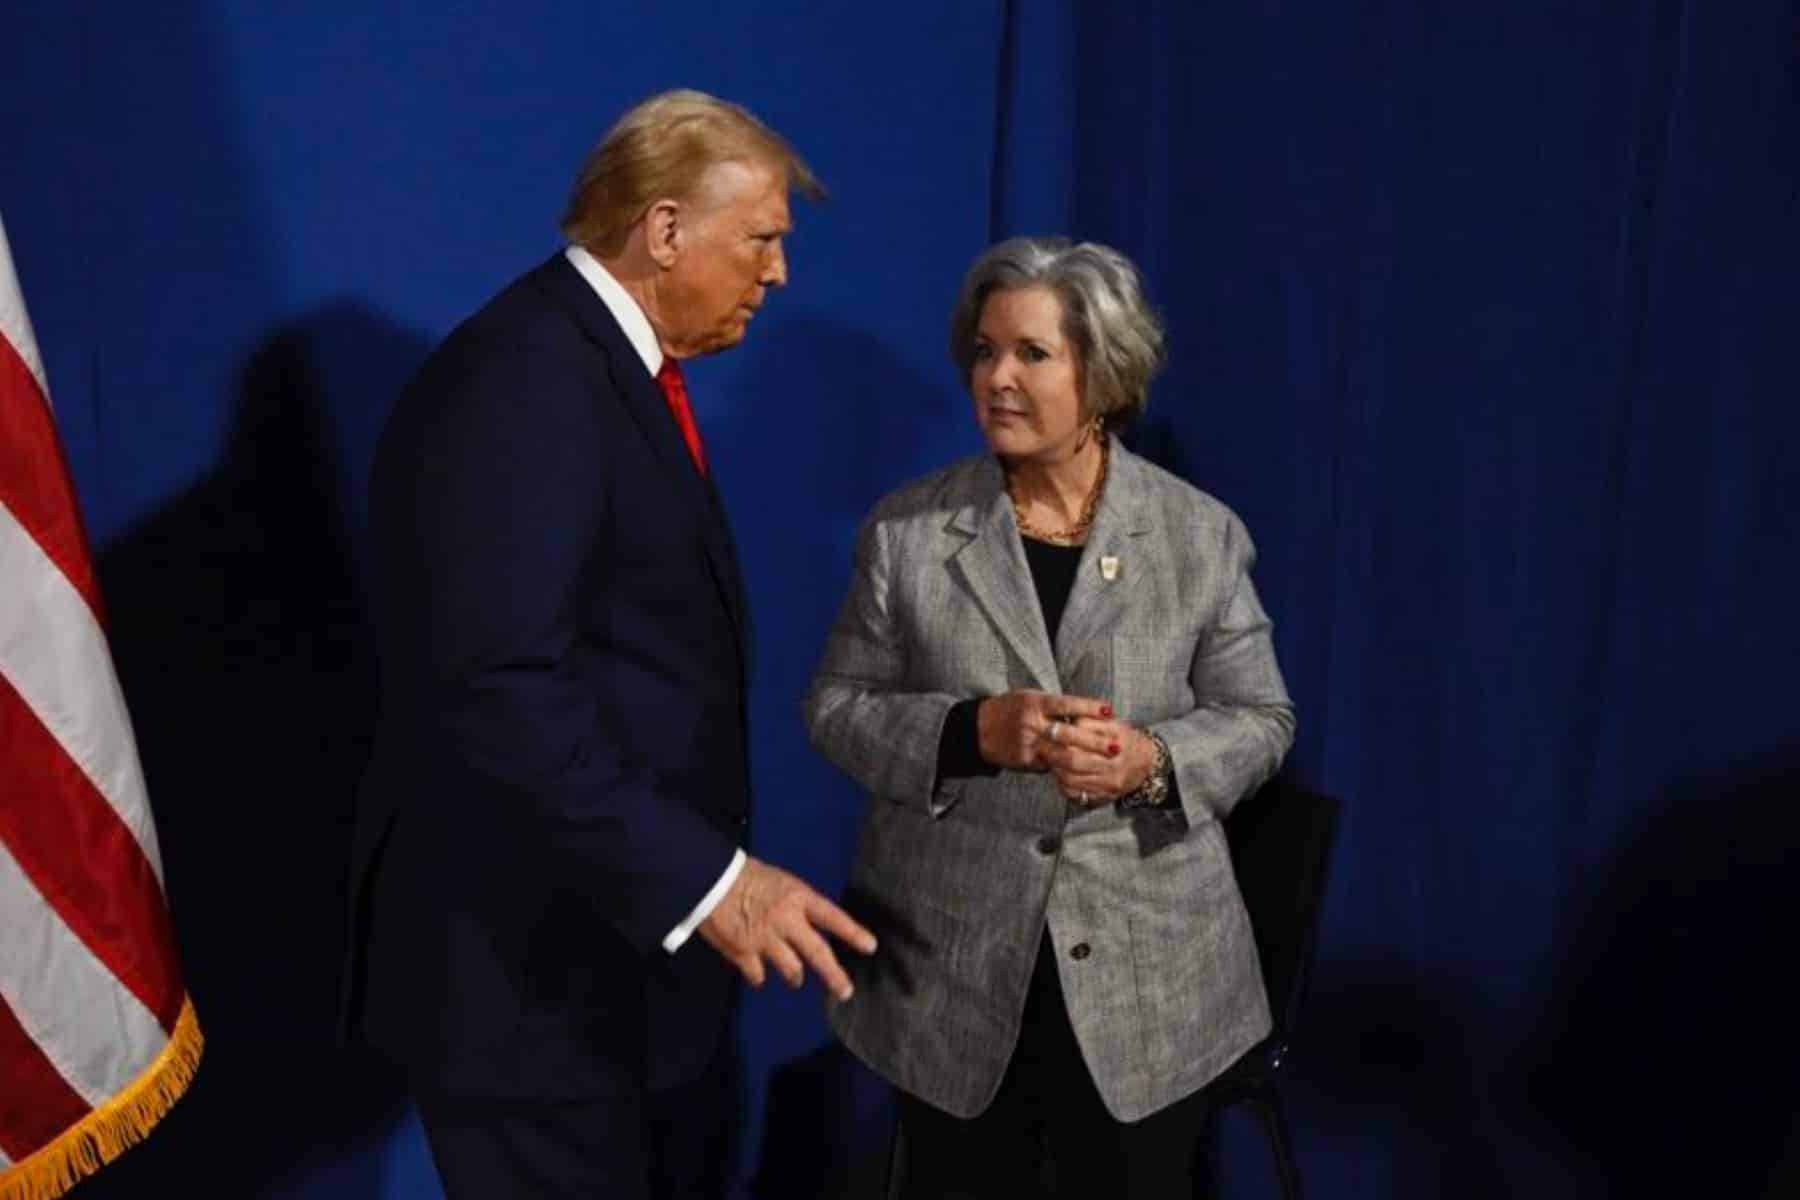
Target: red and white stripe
[{"x": 90, "y": 985}]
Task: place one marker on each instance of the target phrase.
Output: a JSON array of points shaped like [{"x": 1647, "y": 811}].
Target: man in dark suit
[{"x": 559, "y": 795}]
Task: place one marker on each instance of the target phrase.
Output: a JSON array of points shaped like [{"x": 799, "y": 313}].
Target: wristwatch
[{"x": 1155, "y": 789}]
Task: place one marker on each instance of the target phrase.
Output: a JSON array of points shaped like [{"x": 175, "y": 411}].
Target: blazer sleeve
[
  {"x": 857, "y": 709},
  {"x": 1244, "y": 723},
  {"x": 483, "y": 523}
]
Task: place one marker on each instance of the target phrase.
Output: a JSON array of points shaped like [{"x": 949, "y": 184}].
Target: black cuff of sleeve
[{"x": 959, "y": 747}]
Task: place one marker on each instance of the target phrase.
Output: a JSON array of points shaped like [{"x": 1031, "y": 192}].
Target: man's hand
[
  {"x": 769, "y": 915},
  {"x": 1020, "y": 729}
]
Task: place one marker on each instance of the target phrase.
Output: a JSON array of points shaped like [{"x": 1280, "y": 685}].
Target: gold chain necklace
[{"x": 1075, "y": 533}]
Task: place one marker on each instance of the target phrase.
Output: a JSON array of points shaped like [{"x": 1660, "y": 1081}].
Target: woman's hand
[
  {"x": 1025, "y": 730},
  {"x": 1098, "y": 760}
]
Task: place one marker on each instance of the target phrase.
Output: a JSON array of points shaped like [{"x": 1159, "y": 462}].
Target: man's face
[{"x": 730, "y": 254}]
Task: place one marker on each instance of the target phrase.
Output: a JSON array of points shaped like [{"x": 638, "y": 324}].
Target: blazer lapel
[
  {"x": 643, "y": 400},
  {"x": 1114, "y": 563},
  {"x": 993, "y": 567}
]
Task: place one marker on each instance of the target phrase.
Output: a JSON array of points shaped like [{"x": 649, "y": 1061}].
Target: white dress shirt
[{"x": 631, "y": 319}]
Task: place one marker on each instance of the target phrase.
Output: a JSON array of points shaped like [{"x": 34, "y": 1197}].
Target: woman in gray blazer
[{"x": 1054, "y": 678}]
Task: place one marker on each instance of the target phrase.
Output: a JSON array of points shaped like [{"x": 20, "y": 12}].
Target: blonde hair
[{"x": 662, "y": 146}]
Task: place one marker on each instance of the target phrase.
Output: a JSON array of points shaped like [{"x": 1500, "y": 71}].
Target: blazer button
[
  {"x": 1049, "y": 844},
  {"x": 1079, "y": 951}
]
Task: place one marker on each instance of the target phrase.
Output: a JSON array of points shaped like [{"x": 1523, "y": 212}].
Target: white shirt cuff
[{"x": 682, "y": 932}]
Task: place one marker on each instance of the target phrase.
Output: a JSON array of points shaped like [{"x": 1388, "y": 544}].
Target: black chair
[{"x": 1280, "y": 844}]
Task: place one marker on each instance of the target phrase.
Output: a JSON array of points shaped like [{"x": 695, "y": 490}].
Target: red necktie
[{"x": 675, "y": 392}]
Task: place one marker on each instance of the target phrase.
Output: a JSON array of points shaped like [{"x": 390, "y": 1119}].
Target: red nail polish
[
  {"x": 1112, "y": 748},
  {"x": 1106, "y": 710}
]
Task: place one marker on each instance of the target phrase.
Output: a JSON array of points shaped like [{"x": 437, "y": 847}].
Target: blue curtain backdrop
[{"x": 1482, "y": 314}]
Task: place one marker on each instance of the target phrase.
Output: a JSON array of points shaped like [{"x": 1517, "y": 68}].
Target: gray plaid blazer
[{"x": 1154, "y": 948}]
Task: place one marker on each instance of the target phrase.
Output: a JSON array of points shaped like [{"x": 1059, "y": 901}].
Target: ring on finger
[{"x": 1055, "y": 730}]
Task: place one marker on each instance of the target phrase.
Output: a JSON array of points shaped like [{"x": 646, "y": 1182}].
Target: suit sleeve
[
  {"x": 483, "y": 525},
  {"x": 1244, "y": 723},
  {"x": 857, "y": 710}
]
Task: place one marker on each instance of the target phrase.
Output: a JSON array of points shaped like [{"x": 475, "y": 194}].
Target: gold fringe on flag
[{"x": 113, "y": 1127}]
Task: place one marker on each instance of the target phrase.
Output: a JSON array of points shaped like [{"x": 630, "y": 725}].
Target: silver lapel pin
[{"x": 1109, "y": 567}]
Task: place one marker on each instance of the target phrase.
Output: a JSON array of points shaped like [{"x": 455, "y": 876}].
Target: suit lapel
[
  {"x": 650, "y": 409},
  {"x": 1114, "y": 548},
  {"x": 993, "y": 567},
  {"x": 721, "y": 546},
  {"x": 643, "y": 400}
]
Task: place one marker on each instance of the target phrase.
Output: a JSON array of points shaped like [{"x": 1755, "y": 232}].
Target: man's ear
[{"x": 663, "y": 232}]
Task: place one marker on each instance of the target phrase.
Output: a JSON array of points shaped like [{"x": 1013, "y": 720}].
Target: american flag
[{"x": 97, "y": 1033}]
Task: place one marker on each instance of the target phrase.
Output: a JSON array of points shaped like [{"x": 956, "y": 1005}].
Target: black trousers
[
  {"x": 670, "y": 1145},
  {"x": 1048, "y": 1108}
]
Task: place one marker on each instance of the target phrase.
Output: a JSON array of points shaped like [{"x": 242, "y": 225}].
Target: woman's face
[{"x": 1026, "y": 378}]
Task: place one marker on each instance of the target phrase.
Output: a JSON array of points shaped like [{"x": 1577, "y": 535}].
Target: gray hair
[{"x": 1105, "y": 316}]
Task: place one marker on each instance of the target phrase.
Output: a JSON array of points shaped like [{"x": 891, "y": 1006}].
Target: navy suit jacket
[{"x": 560, "y": 770}]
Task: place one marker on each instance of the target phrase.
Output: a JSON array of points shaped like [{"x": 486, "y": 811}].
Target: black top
[
  {"x": 1053, "y": 570},
  {"x": 1053, "y": 575}
]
